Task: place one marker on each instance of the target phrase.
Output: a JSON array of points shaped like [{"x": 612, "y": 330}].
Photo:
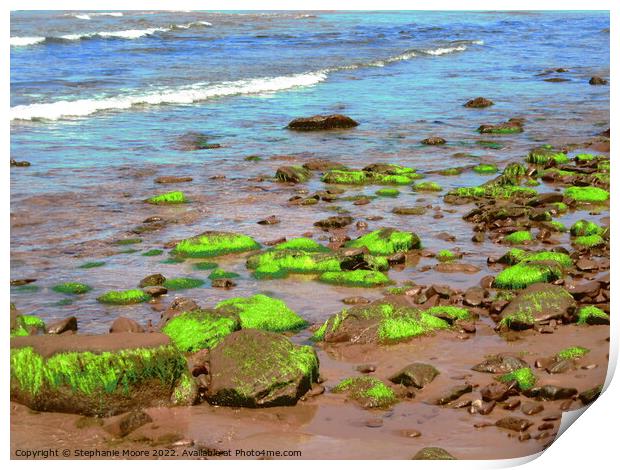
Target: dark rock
[
  {"x": 551, "y": 392},
  {"x": 409, "y": 210},
  {"x": 292, "y": 174},
  {"x": 397, "y": 258},
  {"x": 176, "y": 307},
  {"x": 513, "y": 423},
  {"x": 443, "y": 291},
  {"x": 445, "y": 236},
  {"x": 479, "y": 102},
  {"x": 417, "y": 375},
  {"x": 560, "y": 367},
  {"x": 126, "y": 325},
  {"x": 532, "y": 408},
  {"x": 556, "y": 79},
  {"x": 155, "y": 291},
  {"x": 434, "y": 141},
  {"x": 500, "y": 364},
  {"x": 128, "y": 423},
  {"x": 409, "y": 433},
  {"x": 366, "y": 368},
  {"x": 481, "y": 407},
  {"x": 19, "y": 164},
  {"x": 22, "y": 282},
  {"x": 152, "y": 280},
  {"x": 195, "y": 141},
  {"x": 319, "y": 164},
  {"x": 223, "y": 283},
  {"x": 334, "y": 222},
  {"x": 280, "y": 371},
  {"x": 474, "y": 296},
  {"x": 511, "y": 126},
  {"x": 355, "y": 300},
  {"x": 496, "y": 391},
  {"x": 597, "y": 81},
  {"x": 478, "y": 237},
  {"x": 433, "y": 453},
  {"x": 271, "y": 220},
  {"x": 511, "y": 404},
  {"x": 588, "y": 396},
  {"x": 322, "y": 122},
  {"x": 453, "y": 393},
  {"x": 541, "y": 302},
  {"x": 173, "y": 179},
  {"x": 586, "y": 289},
  {"x": 61, "y": 326}
]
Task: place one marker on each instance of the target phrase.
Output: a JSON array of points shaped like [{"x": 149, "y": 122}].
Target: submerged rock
[
  {"x": 322, "y": 122},
  {"x": 479, "y": 102},
  {"x": 500, "y": 364},
  {"x": 597, "y": 81},
  {"x": 434, "y": 140},
  {"x": 417, "y": 375},
  {"x": 292, "y": 174},
  {"x": 433, "y": 453},
  {"x": 126, "y": 325},
  {"x": 214, "y": 243},
  {"x": 369, "y": 392},
  {"x": 253, "y": 368}
]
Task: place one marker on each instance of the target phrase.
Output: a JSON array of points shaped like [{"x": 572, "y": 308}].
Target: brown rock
[
  {"x": 173, "y": 179},
  {"x": 126, "y": 424},
  {"x": 322, "y": 122},
  {"x": 453, "y": 394},
  {"x": 152, "y": 280},
  {"x": 513, "y": 423},
  {"x": 434, "y": 141},
  {"x": 124, "y": 325},
  {"x": 417, "y": 375},
  {"x": 271, "y": 220},
  {"x": 479, "y": 102},
  {"x": 597, "y": 81},
  {"x": 62, "y": 326}
]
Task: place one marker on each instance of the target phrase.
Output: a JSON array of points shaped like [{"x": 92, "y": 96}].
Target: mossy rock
[
  {"x": 490, "y": 192},
  {"x": 126, "y": 297},
  {"x": 273, "y": 264},
  {"x": 592, "y": 315},
  {"x": 174, "y": 197},
  {"x": 357, "y": 278},
  {"x": 304, "y": 244},
  {"x": 262, "y": 312},
  {"x": 128, "y": 241},
  {"x": 293, "y": 174},
  {"x": 200, "y": 329},
  {"x": 524, "y": 377},
  {"x": 378, "y": 322},
  {"x": 221, "y": 274},
  {"x": 587, "y": 194},
  {"x": 253, "y": 368},
  {"x": 445, "y": 256},
  {"x": 387, "y": 192},
  {"x": 204, "y": 266},
  {"x": 537, "y": 303},
  {"x": 519, "y": 237},
  {"x": 427, "y": 186},
  {"x": 74, "y": 288},
  {"x": 154, "y": 252},
  {"x": 181, "y": 283},
  {"x": 484, "y": 168},
  {"x": 589, "y": 241},
  {"x": 369, "y": 392},
  {"x": 433, "y": 453},
  {"x": 95, "y": 375},
  {"x": 517, "y": 255},
  {"x": 574, "y": 352},
  {"x": 583, "y": 228},
  {"x": 449, "y": 313},
  {"x": 25, "y": 325},
  {"x": 386, "y": 241},
  {"x": 544, "y": 156},
  {"x": 527, "y": 273},
  {"x": 91, "y": 264},
  {"x": 212, "y": 243}
]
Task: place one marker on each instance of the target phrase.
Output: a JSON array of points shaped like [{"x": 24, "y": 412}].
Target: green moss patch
[
  {"x": 345, "y": 177},
  {"x": 386, "y": 241},
  {"x": 485, "y": 168},
  {"x": 449, "y": 313},
  {"x": 221, "y": 274},
  {"x": 524, "y": 274},
  {"x": 304, "y": 244},
  {"x": 583, "y": 228},
  {"x": 204, "y": 266},
  {"x": 524, "y": 377},
  {"x": 263, "y": 313},
  {"x": 154, "y": 252},
  {"x": 587, "y": 194},
  {"x": 128, "y": 241},
  {"x": 273, "y": 264},
  {"x": 174, "y": 197},
  {"x": 518, "y": 238},
  {"x": 357, "y": 278},
  {"x": 592, "y": 315},
  {"x": 367, "y": 391},
  {"x": 199, "y": 329},
  {"x": 493, "y": 192},
  {"x": 72, "y": 288},
  {"x": 445, "y": 256},
  {"x": 516, "y": 255},
  {"x": 211, "y": 244},
  {"x": 181, "y": 283},
  {"x": 126, "y": 297},
  {"x": 26, "y": 325},
  {"x": 387, "y": 192},
  {"x": 574, "y": 352},
  {"x": 91, "y": 264},
  {"x": 589, "y": 241},
  {"x": 427, "y": 186},
  {"x": 543, "y": 156}
]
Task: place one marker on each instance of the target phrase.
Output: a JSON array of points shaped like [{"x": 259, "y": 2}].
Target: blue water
[{"x": 93, "y": 100}]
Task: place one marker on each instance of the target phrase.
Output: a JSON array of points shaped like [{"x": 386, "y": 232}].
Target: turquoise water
[{"x": 98, "y": 103}]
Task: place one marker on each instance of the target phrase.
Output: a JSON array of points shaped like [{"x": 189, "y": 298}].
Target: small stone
[
  {"x": 435, "y": 140},
  {"x": 481, "y": 407},
  {"x": 366, "y": 368},
  {"x": 409, "y": 433},
  {"x": 524, "y": 436},
  {"x": 123, "y": 324},
  {"x": 479, "y": 102},
  {"x": 361, "y": 225},
  {"x": 597, "y": 81},
  {"x": 173, "y": 179},
  {"x": 552, "y": 392},
  {"x": 62, "y": 326},
  {"x": 552, "y": 417},
  {"x": 152, "y": 280},
  {"x": 417, "y": 375},
  {"x": 128, "y": 423},
  {"x": 588, "y": 396},
  {"x": 355, "y": 300},
  {"x": 271, "y": 220},
  {"x": 374, "y": 423},
  {"x": 223, "y": 283},
  {"x": 531, "y": 408},
  {"x": 316, "y": 390},
  {"x": 495, "y": 391},
  {"x": 545, "y": 426},
  {"x": 513, "y": 423},
  {"x": 453, "y": 394},
  {"x": 334, "y": 222},
  {"x": 511, "y": 404}
]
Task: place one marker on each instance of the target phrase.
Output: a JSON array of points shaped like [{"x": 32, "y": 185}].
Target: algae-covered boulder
[
  {"x": 369, "y": 392},
  {"x": 539, "y": 302},
  {"x": 292, "y": 174},
  {"x": 322, "y": 123},
  {"x": 378, "y": 322},
  {"x": 526, "y": 273},
  {"x": 214, "y": 243},
  {"x": 433, "y": 453},
  {"x": 357, "y": 278},
  {"x": 386, "y": 241},
  {"x": 253, "y": 368},
  {"x": 417, "y": 375},
  {"x": 25, "y": 325},
  {"x": 278, "y": 263},
  {"x": 99, "y": 375},
  {"x": 200, "y": 329},
  {"x": 262, "y": 312}
]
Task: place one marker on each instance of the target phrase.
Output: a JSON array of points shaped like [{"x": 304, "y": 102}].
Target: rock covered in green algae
[
  {"x": 322, "y": 122},
  {"x": 588, "y": 194},
  {"x": 427, "y": 186},
  {"x": 378, "y": 322},
  {"x": 524, "y": 377},
  {"x": 95, "y": 375},
  {"x": 584, "y": 228},
  {"x": 174, "y": 197},
  {"x": 304, "y": 244},
  {"x": 433, "y": 453},
  {"x": 181, "y": 283},
  {"x": 544, "y": 156},
  {"x": 125, "y": 297},
  {"x": 512, "y": 126},
  {"x": 357, "y": 278},
  {"x": 538, "y": 302},
  {"x": 526, "y": 273},
  {"x": 519, "y": 237},
  {"x": 278, "y": 263},
  {"x": 589, "y": 241},
  {"x": 516, "y": 256},
  {"x": 292, "y": 174},
  {"x": 592, "y": 315},
  {"x": 417, "y": 375},
  {"x": 24, "y": 325},
  {"x": 72, "y": 288},
  {"x": 574, "y": 352},
  {"x": 489, "y": 192},
  {"x": 214, "y": 243},
  {"x": 377, "y": 173},
  {"x": 369, "y": 392},
  {"x": 200, "y": 329},
  {"x": 253, "y": 368},
  {"x": 500, "y": 363},
  {"x": 262, "y": 312},
  {"x": 386, "y": 241}
]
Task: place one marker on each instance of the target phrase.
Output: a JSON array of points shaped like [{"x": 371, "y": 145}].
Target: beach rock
[
  {"x": 433, "y": 453},
  {"x": 530, "y": 409},
  {"x": 511, "y": 126},
  {"x": 104, "y": 375},
  {"x": 195, "y": 141},
  {"x": 173, "y": 179},
  {"x": 417, "y": 375},
  {"x": 334, "y": 222},
  {"x": 176, "y": 307},
  {"x": 449, "y": 268},
  {"x": 537, "y": 303},
  {"x": 513, "y": 423},
  {"x": 588, "y": 396},
  {"x": 155, "y": 291},
  {"x": 355, "y": 300},
  {"x": 292, "y": 174},
  {"x": 322, "y": 122},
  {"x": 479, "y": 102},
  {"x": 496, "y": 391},
  {"x": 500, "y": 364},
  {"x": 124, "y": 425},
  {"x": 152, "y": 280},
  {"x": 126, "y": 325},
  {"x": 19, "y": 164},
  {"x": 271, "y": 220},
  {"x": 453, "y": 393},
  {"x": 597, "y": 81},
  {"x": 252, "y": 368},
  {"x": 319, "y": 164},
  {"x": 435, "y": 140},
  {"x": 22, "y": 282},
  {"x": 551, "y": 392},
  {"x": 62, "y": 326}
]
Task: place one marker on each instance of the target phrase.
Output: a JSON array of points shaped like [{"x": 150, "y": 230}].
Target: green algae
[
  {"x": 591, "y": 315},
  {"x": 273, "y": 264},
  {"x": 574, "y": 352},
  {"x": 154, "y": 252},
  {"x": 493, "y": 192},
  {"x": 296, "y": 174},
  {"x": 128, "y": 251},
  {"x": 357, "y": 278},
  {"x": 583, "y": 228},
  {"x": 174, "y": 197},
  {"x": 181, "y": 283},
  {"x": 344, "y": 177},
  {"x": 304, "y": 244},
  {"x": 199, "y": 329},
  {"x": 132, "y": 296},
  {"x": 485, "y": 168},
  {"x": 449, "y": 312},
  {"x": 211, "y": 244},
  {"x": 516, "y": 255},
  {"x": 386, "y": 175},
  {"x": 28, "y": 288},
  {"x": 25, "y": 325},
  {"x": 185, "y": 391},
  {"x": 445, "y": 255},
  {"x": 91, "y": 264},
  {"x": 128, "y": 241},
  {"x": 524, "y": 377},
  {"x": 396, "y": 328},
  {"x": 204, "y": 266},
  {"x": 585, "y": 157},
  {"x": 543, "y": 156},
  {"x": 558, "y": 226},
  {"x": 587, "y": 194},
  {"x": 589, "y": 241},
  {"x": 263, "y": 313},
  {"x": 490, "y": 144},
  {"x": 172, "y": 260},
  {"x": 427, "y": 186},
  {"x": 253, "y": 158},
  {"x": 72, "y": 288},
  {"x": 519, "y": 237},
  {"x": 221, "y": 274},
  {"x": 386, "y": 241},
  {"x": 523, "y": 274},
  {"x": 94, "y": 374},
  {"x": 451, "y": 171},
  {"x": 560, "y": 207},
  {"x": 368, "y": 391},
  {"x": 387, "y": 192}
]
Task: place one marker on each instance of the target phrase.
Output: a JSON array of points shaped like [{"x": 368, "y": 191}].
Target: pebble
[
  {"x": 410, "y": 433},
  {"x": 366, "y": 368},
  {"x": 374, "y": 423}
]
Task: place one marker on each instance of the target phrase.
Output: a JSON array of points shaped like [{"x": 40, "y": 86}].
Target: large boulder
[
  {"x": 322, "y": 123},
  {"x": 253, "y": 368},
  {"x": 538, "y": 303},
  {"x": 99, "y": 375}
]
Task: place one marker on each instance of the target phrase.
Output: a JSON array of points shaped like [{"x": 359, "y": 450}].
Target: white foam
[
  {"x": 181, "y": 95},
  {"x": 88, "y": 16},
  {"x": 445, "y": 50},
  {"x": 26, "y": 41}
]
